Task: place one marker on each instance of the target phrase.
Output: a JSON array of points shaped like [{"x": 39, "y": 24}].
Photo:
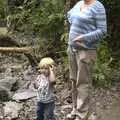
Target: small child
[{"x": 44, "y": 85}]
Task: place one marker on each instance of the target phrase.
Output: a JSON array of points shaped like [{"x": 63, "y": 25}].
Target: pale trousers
[{"x": 80, "y": 75}]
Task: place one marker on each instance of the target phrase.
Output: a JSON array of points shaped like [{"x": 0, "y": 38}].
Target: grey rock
[
  {"x": 24, "y": 95},
  {"x": 5, "y": 94},
  {"x": 11, "y": 110}
]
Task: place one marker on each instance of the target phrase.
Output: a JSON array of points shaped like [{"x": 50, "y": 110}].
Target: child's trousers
[{"x": 45, "y": 111}]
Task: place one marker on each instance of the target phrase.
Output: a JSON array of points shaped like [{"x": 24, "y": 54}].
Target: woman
[{"x": 87, "y": 27}]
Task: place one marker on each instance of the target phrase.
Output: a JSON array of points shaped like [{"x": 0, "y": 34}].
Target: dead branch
[
  {"x": 16, "y": 49},
  {"x": 10, "y": 44}
]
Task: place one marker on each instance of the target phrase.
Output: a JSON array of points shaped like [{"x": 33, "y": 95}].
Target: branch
[{"x": 16, "y": 49}]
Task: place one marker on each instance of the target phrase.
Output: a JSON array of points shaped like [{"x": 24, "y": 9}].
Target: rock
[
  {"x": 3, "y": 30},
  {"x": 24, "y": 95},
  {"x": 1, "y": 117},
  {"x": 29, "y": 74},
  {"x": 66, "y": 107},
  {"x": 6, "y": 85},
  {"x": 16, "y": 68},
  {"x": 11, "y": 110},
  {"x": 4, "y": 94},
  {"x": 1, "y": 112},
  {"x": 7, "y": 81}
]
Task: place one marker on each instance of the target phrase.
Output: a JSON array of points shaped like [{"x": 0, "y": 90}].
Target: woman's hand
[{"x": 78, "y": 39}]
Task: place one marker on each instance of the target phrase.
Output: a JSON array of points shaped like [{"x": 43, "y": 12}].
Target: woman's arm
[{"x": 101, "y": 26}]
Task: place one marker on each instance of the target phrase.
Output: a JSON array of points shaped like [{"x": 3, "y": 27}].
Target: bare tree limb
[
  {"x": 16, "y": 49},
  {"x": 14, "y": 46}
]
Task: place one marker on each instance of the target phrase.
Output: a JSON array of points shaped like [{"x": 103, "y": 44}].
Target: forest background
[{"x": 46, "y": 20}]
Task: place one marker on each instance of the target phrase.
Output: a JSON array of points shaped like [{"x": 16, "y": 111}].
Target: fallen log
[
  {"x": 11, "y": 43},
  {"x": 16, "y": 49}
]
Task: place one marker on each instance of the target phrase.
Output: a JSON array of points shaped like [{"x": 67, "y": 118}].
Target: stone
[
  {"x": 11, "y": 109},
  {"x": 24, "y": 95},
  {"x": 5, "y": 94}
]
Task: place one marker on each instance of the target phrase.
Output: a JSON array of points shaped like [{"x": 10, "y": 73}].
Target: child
[{"x": 44, "y": 86}]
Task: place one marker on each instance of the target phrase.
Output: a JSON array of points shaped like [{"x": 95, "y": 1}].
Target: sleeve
[
  {"x": 71, "y": 11},
  {"x": 101, "y": 27}
]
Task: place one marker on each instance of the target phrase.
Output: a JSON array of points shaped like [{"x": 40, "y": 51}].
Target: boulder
[
  {"x": 24, "y": 95},
  {"x": 5, "y": 94},
  {"x": 11, "y": 110},
  {"x": 6, "y": 86}
]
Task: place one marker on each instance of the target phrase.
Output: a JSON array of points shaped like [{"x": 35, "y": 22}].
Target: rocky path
[
  {"x": 112, "y": 112},
  {"x": 106, "y": 103}
]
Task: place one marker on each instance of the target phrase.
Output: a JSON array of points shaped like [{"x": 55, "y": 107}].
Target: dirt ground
[{"x": 105, "y": 102}]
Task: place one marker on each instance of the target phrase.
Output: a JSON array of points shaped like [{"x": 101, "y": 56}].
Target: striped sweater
[{"x": 90, "y": 23}]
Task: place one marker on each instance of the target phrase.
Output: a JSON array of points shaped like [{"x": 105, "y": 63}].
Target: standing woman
[{"x": 87, "y": 27}]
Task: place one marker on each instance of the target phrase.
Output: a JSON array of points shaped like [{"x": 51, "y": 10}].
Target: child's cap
[{"x": 46, "y": 62}]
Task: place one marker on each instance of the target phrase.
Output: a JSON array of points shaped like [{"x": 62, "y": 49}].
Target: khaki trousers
[{"x": 80, "y": 74}]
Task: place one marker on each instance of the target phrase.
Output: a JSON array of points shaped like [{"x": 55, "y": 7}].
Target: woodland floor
[{"x": 106, "y": 102}]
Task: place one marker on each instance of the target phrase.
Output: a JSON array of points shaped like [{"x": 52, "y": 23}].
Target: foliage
[
  {"x": 108, "y": 52},
  {"x": 113, "y": 10},
  {"x": 2, "y": 9},
  {"x": 48, "y": 18},
  {"x": 45, "y": 21},
  {"x": 101, "y": 67}
]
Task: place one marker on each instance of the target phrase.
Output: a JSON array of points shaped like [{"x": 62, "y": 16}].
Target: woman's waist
[{"x": 72, "y": 36}]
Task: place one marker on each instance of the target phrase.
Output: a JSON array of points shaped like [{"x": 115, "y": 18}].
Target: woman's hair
[{"x": 46, "y": 62}]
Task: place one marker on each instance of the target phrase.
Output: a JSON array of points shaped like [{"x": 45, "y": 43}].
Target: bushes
[
  {"x": 108, "y": 59},
  {"x": 46, "y": 19},
  {"x": 101, "y": 67},
  {"x": 2, "y": 12},
  {"x": 2, "y": 9}
]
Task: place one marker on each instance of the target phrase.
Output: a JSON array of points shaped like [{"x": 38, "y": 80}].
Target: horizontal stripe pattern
[{"x": 90, "y": 23}]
